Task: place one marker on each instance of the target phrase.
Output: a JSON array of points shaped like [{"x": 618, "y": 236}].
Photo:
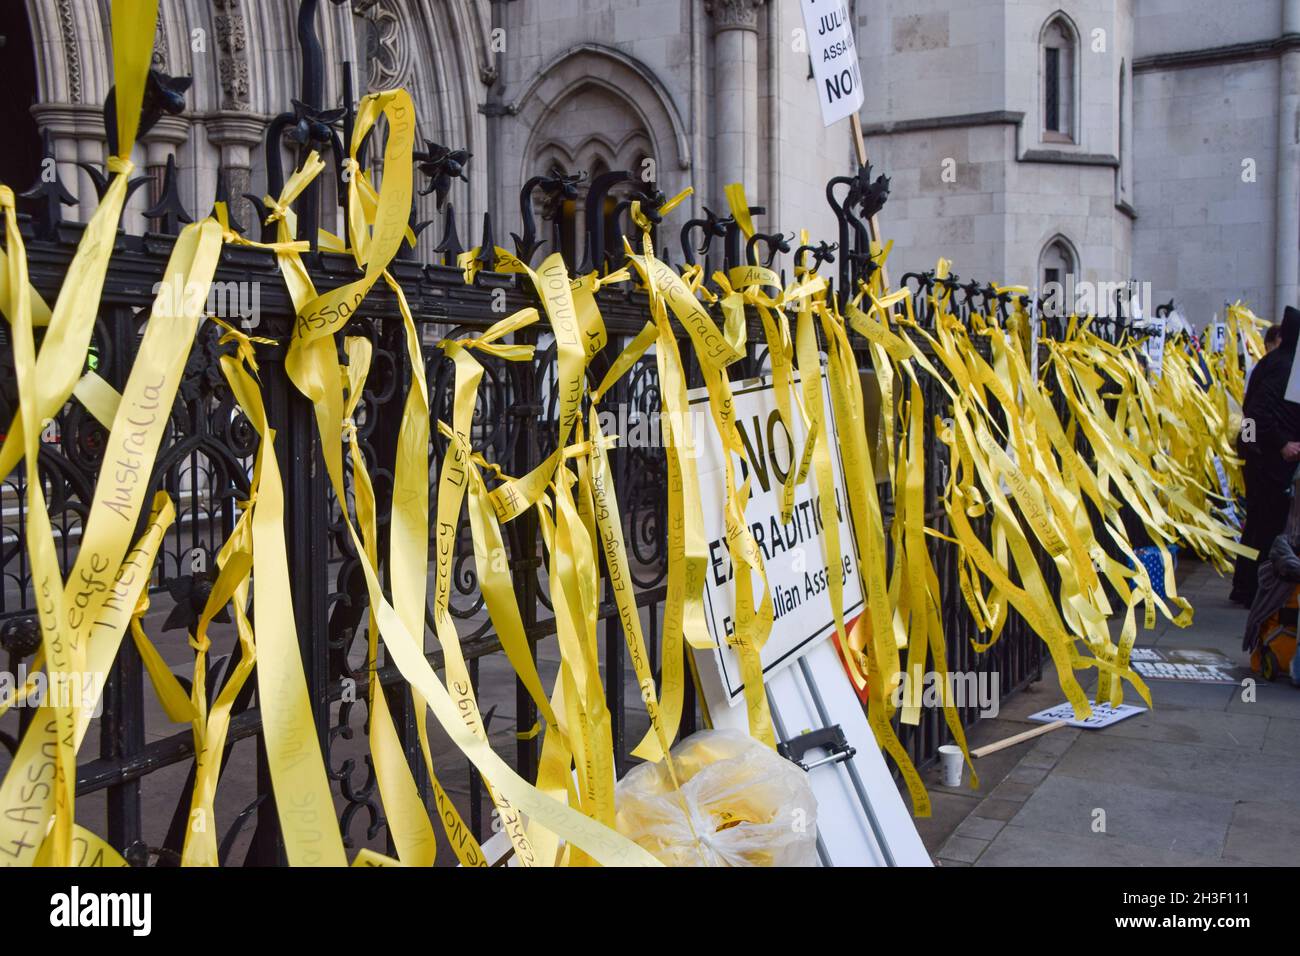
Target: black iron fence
[{"x": 205, "y": 465}]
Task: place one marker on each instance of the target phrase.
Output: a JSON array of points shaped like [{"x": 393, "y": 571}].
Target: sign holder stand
[
  {"x": 820, "y": 725},
  {"x": 782, "y": 739},
  {"x": 841, "y": 757}
]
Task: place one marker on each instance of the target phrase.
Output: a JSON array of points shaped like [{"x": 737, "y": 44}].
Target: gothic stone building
[
  {"x": 1026, "y": 140},
  {"x": 1111, "y": 139}
]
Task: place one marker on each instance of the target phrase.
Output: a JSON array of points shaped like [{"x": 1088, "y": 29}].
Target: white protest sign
[
  {"x": 1155, "y": 346},
  {"x": 834, "y": 58},
  {"x": 1229, "y": 508},
  {"x": 1103, "y": 715},
  {"x": 1293, "y": 381},
  {"x": 1218, "y": 336},
  {"x": 792, "y": 551}
]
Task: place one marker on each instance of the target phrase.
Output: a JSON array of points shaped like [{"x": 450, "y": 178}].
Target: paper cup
[{"x": 951, "y": 762}]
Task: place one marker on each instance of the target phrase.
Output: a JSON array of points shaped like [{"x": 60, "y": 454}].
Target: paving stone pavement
[{"x": 1209, "y": 777}]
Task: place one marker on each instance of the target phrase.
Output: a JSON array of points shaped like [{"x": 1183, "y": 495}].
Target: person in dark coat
[
  {"x": 1271, "y": 458},
  {"x": 1278, "y": 577}
]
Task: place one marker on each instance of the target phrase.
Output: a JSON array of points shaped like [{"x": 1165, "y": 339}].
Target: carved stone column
[
  {"x": 167, "y": 135},
  {"x": 1287, "y": 237},
  {"x": 237, "y": 135},
  {"x": 160, "y": 142},
  {"x": 735, "y": 92},
  {"x": 77, "y": 135}
]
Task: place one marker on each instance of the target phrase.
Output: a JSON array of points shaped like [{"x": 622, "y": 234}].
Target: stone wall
[
  {"x": 1204, "y": 235},
  {"x": 1206, "y": 155},
  {"x": 955, "y": 116},
  {"x": 715, "y": 91}
]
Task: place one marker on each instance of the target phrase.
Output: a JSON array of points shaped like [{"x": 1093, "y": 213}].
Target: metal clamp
[{"x": 830, "y": 739}]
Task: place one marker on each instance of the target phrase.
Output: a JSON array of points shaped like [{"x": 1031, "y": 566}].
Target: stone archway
[
  {"x": 438, "y": 51},
  {"x": 592, "y": 107}
]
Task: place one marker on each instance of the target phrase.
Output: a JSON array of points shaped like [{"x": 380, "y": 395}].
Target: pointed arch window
[
  {"x": 1057, "y": 261},
  {"x": 1058, "y": 65},
  {"x": 1057, "y": 264}
]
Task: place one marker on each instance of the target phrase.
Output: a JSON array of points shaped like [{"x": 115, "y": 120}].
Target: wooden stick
[
  {"x": 858, "y": 141},
  {"x": 860, "y": 144},
  {"x": 1018, "y": 738}
]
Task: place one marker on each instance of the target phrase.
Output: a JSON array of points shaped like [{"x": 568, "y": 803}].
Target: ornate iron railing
[{"x": 205, "y": 464}]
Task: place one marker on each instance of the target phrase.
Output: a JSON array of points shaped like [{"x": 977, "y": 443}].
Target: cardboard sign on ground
[
  {"x": 1193, "y": 665},
  {"x": 1103, "y": 715}
]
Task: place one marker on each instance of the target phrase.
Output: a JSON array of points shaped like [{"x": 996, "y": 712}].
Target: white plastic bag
[{"x": 740, "y": 804}]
